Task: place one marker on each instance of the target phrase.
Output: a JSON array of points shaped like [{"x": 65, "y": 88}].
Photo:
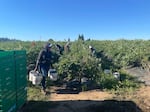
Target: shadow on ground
[
  {"x": 81, "y": 106},
  {"x": 67, "y": 91}
]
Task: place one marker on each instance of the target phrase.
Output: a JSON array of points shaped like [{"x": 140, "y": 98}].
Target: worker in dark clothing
[
  {"x": 43, "y": 64},
  {"x": 59, "y": 48}
]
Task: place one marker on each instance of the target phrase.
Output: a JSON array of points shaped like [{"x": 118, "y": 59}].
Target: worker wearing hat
[{"x": 43, "y": 64}]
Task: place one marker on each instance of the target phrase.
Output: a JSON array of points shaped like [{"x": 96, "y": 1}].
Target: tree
[{"x": 81, "y": 37}]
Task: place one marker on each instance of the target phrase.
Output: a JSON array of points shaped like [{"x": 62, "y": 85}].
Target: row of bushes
[{"x": 79, "y": 61}]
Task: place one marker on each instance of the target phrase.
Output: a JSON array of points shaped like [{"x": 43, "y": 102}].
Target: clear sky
[{"x": 63, "y": 19}]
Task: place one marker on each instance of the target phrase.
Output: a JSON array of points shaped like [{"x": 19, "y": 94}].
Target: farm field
[
  {"x": 75, "y": 56},
  {"x": 129, "y": 92}
]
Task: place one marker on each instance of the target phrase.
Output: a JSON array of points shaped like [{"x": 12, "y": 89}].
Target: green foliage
[
  {"x": 128, "y": 84},
  {"x": 127, "y": 81},
  {"x": 78, "y": 62},
  {"x": 84, "y": 87},
  {"x": 32, "y": 55},
  {"x": 122, "y": 52},
  {"x": 107, "y": 81}
]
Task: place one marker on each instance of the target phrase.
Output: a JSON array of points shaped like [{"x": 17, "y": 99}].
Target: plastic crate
[{"x": 13, "y": 80}]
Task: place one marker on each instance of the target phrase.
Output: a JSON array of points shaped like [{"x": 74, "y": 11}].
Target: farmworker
[
  {"x": 59, "y": 48},
  {"x": 67, "y": 47},
  {"x": 43, "y": 64},
  {"x": 92, "y": 50}
]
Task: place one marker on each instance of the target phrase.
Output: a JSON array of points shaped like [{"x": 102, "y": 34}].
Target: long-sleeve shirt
[{"x": 44, "y": 58}]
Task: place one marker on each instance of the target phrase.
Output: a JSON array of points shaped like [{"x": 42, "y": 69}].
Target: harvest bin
[{"x": 13, "y": 81}]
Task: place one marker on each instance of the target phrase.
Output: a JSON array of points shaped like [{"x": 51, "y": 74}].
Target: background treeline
[{"x": 4, "y": 39}]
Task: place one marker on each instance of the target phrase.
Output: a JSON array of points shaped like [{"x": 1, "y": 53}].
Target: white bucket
[
  {"x": 52, "y": 74},
  {"x": 116, "y": 75},
  {"x": 84, "y": 79},
  {"x": 35, "y": 77},
  {"x": 31, "y": 73}
]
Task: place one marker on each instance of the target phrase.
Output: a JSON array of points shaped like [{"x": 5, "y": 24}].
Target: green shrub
[{"x": 107, "y": 81}]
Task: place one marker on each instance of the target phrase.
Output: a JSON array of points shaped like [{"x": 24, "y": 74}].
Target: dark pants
[
  {"x": 43, "y": 83},
  {"x": 44, "y": 71}
]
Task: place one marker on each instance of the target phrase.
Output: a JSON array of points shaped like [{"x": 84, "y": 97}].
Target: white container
[
  {"x": 35, "y": 77},
  {"x": 84, "y": 79},
  {"x": 116, "y": 75},
  {"x": 31, "y": 73},
  {"x": 52, "y": 74}
]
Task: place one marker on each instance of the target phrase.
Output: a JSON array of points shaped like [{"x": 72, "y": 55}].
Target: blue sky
[{"x": 63, "y": 19}]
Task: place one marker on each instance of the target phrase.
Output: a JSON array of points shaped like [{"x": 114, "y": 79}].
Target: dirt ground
[
  {"x": 142, "y": 98},
  {"x": 61, "y": 100},
  {"x": 97, "y": 100},
  {"x": 76, "y": 102},
  {"x": 70, "y": 101},
  {"x": 73, "y": 95}
]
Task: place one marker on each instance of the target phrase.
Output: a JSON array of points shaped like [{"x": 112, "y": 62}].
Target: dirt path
[
  {"x": 87, "y": 95},
  {"x": 90, "y": 101},
  {"x": 77, "y": 102},
  {"x": 97, "y": 100},
  {"x": 143, "y": 98}
]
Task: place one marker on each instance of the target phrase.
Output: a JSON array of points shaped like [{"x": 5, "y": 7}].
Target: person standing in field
[
  {"x": 43, "y": 64},
  {"x": 92, "y": 50}
]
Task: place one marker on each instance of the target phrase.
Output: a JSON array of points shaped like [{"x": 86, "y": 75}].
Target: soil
[
  {"x": 97, "y": 100},
  {"x": 61, "y": 100},
  {"x": 142, "y": 98},
  {"x": 65, "y": 95},
  {"x": 71, "y": 101}
]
